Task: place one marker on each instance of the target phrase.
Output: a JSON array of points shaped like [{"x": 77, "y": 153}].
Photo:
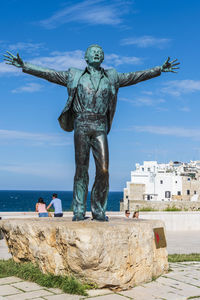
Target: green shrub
[
  {"x": 172, "y": 208},
  {"x": 184, "y": 257},
  {"x": 148, "y": 208}
]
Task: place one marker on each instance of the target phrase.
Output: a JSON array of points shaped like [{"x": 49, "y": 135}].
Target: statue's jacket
[{"x": 71, "y": 78}]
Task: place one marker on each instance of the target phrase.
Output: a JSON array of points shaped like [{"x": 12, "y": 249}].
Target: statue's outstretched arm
[
  {"x": 131, "y": 78},
  {"x": 59, "y": 77}
]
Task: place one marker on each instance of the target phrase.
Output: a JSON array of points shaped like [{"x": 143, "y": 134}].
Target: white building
[{"x": 164, "y": 182}]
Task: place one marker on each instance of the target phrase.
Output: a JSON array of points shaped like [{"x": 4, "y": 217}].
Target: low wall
[
  {"x": 161, "y": 205},
  {"x": 175, "y": 221}
]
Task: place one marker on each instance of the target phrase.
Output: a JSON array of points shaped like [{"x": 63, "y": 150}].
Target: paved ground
[
  {"x": 183, "y": 242},
  {"x": 182, "y": 283},
  {"x": 4, "y": 254}
]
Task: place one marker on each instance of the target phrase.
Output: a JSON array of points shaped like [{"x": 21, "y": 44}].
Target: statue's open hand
[
  {"x": 170, "y": 66},
  {"x": 11, "y": 59}
]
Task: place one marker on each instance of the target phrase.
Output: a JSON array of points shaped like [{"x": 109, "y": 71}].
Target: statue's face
[{"x": 94, "y": 56}]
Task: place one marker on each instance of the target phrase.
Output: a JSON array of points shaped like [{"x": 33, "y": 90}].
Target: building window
[
  {"x": 188, "y": 192},
  {"x": 195, "y": 192},
  {"x": 143, "y": 169},
  {"x": 167, "y": 194},
  {"x": 161, "y": 181},
  {"x": 148, "y": 169},
  {"x": 179, "y": 193}
]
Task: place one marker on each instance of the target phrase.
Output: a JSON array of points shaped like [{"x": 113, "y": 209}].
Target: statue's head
[{"x": 94, "y": 55}]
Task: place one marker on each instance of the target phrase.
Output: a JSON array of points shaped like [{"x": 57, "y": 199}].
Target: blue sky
[{"x": 154, "y": 120}]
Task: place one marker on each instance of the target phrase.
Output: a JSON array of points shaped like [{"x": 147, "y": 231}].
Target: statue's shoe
[
  {"x": 101, "y": 218},
  {"x": 78, "y": 218}
]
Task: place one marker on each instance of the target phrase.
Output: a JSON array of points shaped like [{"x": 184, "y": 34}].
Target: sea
[{"x": 25, "y": 201}]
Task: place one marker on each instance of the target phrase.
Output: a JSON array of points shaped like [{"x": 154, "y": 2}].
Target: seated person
[
  {"x": 57, "y": 204},
  {"x": 127, "y": 213},
  {"x": 41, "y": 208},
  {"x": 136, "y": 215}
]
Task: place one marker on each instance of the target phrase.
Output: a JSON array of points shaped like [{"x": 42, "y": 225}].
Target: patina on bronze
[{"x": 89, "y": 111}]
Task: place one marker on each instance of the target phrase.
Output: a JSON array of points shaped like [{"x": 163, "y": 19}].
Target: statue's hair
[{"x": 93, "y": 45}]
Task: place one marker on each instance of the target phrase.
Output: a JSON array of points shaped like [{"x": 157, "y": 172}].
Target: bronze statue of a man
[{"x": 89, "y": 111}]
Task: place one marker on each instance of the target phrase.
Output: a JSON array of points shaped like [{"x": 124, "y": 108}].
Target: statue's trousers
[{"x": 91, "y": 134}]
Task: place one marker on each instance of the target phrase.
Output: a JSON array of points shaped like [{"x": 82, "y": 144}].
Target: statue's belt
[{"x": 90, "y": 117}]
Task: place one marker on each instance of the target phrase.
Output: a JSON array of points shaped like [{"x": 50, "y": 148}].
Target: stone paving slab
[
  {"x": 4, "y": 254},
  {"x": 27, "y": 286},
  {"x": 8, "y": 280},
  {"x": 187, "y": 280},
  {"x": 7, "y": 289},
  {"x": 153, "y": 290},
  {"x": 99, "y": 292},
  {"x": 64, "y": 297},
  {"x": 139, "y": 297},
  {"x": 109, "y": 297},
  {"x": 55, "y": 291},
  {"x": 29, "y": 295}
]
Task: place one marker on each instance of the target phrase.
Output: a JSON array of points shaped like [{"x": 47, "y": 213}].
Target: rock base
[{"x": 119, "y": 254}]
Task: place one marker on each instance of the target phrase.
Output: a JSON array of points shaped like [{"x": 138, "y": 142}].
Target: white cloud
[
  {"x": 28, "y": 47},
  {"x": 29, "y": 88},
  {"x": 8, "y": 69},
  {"x": 147, "y": 93},
  {"x": 179, "y": 87},
  {"x": 92, "y": 12},
  {"x": 116, "y": 60},
  {"x": 171, "y": 131},
  {"x": 143, "y": 101},
  {"x": 146, "y": 41},
  {"x": 42, "y": 170},
  {"x": 62, "y": 60},
  {"x": 185, "y": 109},
  {"x": 55, "y": 60},
  {"x": 33, "y": 139}
]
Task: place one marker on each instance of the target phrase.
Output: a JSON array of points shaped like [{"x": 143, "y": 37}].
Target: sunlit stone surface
[{"x": 120, "y": 253}]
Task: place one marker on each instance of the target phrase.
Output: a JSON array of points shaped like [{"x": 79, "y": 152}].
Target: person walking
[{"x": 57, "y": 204}]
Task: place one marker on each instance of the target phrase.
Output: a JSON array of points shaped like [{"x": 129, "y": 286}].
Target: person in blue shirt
[{"x": 57, "y": 204}]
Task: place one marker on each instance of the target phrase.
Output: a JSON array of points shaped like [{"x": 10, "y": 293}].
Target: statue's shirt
[{"x": 93, "y": 93}]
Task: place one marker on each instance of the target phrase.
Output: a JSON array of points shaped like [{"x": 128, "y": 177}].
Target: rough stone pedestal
[{"x": 120, "y": 253}]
